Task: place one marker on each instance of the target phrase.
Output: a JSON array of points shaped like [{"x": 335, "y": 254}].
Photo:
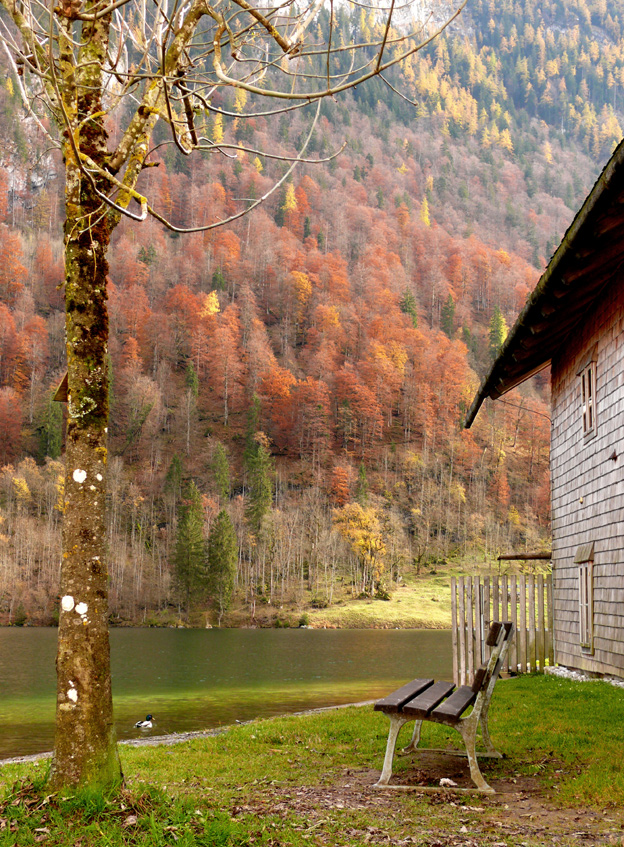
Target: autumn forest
[{"x": 288, "y": 390}]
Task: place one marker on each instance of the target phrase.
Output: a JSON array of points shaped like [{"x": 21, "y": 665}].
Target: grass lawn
[
  {"x": 422, "y": 602},
  {"x": 309, "y": 780}
]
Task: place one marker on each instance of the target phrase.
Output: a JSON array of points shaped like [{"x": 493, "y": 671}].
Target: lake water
[{"x": 196, "y": 679}]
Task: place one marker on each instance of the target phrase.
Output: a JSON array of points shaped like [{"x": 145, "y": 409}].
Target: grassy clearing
[
  {"x": 423, "y": 602},
  {"x": 308, "y": 780},
  {"x": 420, "y": 602}
]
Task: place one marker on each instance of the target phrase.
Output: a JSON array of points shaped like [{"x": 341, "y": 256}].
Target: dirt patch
[{"x": 520, "y": 813}]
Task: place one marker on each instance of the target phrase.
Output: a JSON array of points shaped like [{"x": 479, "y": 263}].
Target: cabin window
[
  {"x": 588, "y": 398},
  {"x": 585, "y": 560}
]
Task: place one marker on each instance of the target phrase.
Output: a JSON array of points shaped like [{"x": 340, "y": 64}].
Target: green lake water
[{"x": 196, "y": 679}]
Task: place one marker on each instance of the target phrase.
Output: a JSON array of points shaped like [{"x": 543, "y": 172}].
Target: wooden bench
[{"x": 426, "y": 700}]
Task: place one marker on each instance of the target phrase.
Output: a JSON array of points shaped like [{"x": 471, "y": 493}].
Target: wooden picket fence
[{"x": 525, "y": 600}]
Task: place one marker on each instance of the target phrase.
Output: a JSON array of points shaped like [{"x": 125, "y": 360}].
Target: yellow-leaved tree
[{"x": 363, "y": 531}]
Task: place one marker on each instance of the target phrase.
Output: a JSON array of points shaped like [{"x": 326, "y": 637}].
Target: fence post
[
  {"x": 514, "y": 619},
  {"x": 532, "y": 652},
  {"x": 495, "y": 594},
  {"x": 478, "y": 620},
  {"x": 469, "y": 632},
  {"x": 551, "y": 618},
  {"x": 540, "y": 622},
  {"x": 487, "y": 619},
  {"x": 454, "y": 624},
  {"x": 462, "y": 633},
  {"x": 504, "y": 610},
  {"x": 522, "y": 627}
]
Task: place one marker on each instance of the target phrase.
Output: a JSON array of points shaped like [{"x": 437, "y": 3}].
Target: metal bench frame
[{"x": 414, "y": 697}]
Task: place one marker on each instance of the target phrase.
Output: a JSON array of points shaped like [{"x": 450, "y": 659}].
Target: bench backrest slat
[{"x": 504, "y": 634}]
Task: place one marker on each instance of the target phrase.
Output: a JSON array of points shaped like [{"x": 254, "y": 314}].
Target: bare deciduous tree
[{"x": 95, "y": 65}]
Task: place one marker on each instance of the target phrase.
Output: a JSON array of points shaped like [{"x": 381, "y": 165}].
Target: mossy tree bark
[{"x": 85, "y": 750}]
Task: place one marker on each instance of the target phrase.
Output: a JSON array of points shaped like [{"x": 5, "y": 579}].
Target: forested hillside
[{"x": 288, "y": 390}]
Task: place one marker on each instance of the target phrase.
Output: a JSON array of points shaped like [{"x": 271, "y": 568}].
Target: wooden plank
[
  {"x": 455, "y": 705},
  {"x": 477, "y": 594},
  {"x": 454, "y": 629},
  {"x": 469, "y": 631},
  {"x": 393, "y": 702},
  {"x": 505, "y": 611},
  {"x": 541, "y": 623},
  {"x": 462, "y": 632},
  {"x": 550, "y": 649},
  {"x": 513, "y": 650},
  {"x": 522, "y": 632},
  {"x": 420, "y": 706},
  {"x": 524, "y": 557},
  {"x": 487, "y": 615},
  {"x": 531, "y": 610},
  {"x": 495, "y": 597}
]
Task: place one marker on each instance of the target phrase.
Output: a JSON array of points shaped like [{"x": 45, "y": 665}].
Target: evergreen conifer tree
[
  {"x": 190, "y": 550},
  {"x": 260, "y": 473},
  {"x": 260, "y": 469},
  {"x": 192, "y": 382},
  {"x": 408, "y": 306},
  {"x": 361, "y": 492},
  {"x": 497, "y": 332},
  {"x": 447, "y": 317},
  {"x": 221, "y": 561},
  {"x": 49, "y": 426}
]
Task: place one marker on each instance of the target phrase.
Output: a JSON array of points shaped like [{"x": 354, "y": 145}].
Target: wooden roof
[{"x": 590, "y": 255}]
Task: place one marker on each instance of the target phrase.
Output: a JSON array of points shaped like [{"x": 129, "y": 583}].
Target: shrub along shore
[{"x": 309, "y": 779}]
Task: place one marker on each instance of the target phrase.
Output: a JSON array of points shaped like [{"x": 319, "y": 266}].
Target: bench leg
[
  {"x": 485, "y": 730},
  {"x": 415, "y": 738},
  {"x": 468, "y": 731},
  {"x": 396, "y": 722}
]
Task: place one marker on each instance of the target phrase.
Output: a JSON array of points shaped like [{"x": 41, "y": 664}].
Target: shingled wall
[{"x": 588, "y": 489}]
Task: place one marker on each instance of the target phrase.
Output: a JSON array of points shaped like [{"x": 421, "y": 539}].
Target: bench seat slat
[
  {"x": 421, "y": 705},
  {"x": 394, "y": 702},
  {"x": 455, "y": 705}
]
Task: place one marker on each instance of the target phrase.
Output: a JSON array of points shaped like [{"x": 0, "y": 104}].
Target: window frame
[
  {"x": 585, "y": 560},
  {"x": 588, "y": 399}
]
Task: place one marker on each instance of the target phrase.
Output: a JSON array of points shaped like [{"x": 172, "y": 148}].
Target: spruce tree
[
  {"x": 260, "y": 469},
  {"x": 408, "y": 306},
  {"x": 447, "y": 317},
  {"x": 190, "y": 551},
  {"x": 49, "y": 427},
  {"x": 260, "y": 473},
  {"x": 497, "y": 332},
  {"x": 221, "y": 561},
  {"x": 221, "y": 472},
  {"x": 192, "y": 382},
  {"x": 361, "y": 492}
]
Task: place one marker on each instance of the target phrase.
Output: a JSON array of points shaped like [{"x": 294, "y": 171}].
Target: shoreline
[{"x": 181, "y": 737}]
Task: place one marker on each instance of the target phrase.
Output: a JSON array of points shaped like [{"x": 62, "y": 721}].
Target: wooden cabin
[{"x": 574, "y": 321}]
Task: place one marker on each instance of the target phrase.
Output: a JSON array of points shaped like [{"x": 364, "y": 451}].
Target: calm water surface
[{"x": 195, "y": 679}]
